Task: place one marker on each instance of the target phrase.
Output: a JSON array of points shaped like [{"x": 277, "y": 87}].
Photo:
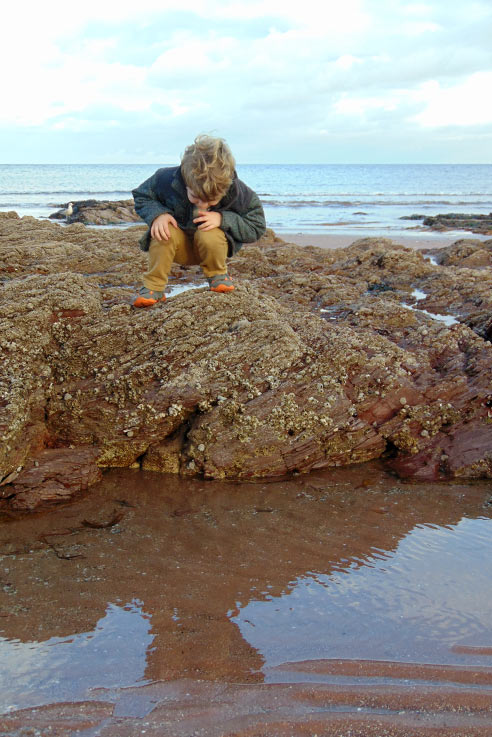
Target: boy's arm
[
  {"x": 246, "y": 227},
  {"x": 147, "y": 205}
]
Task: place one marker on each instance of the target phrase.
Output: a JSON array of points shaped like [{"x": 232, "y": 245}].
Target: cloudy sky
[{"x": 284, "y": 81}]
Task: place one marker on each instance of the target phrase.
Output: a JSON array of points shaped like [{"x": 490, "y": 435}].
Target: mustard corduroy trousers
[{"x": 206, "y": 248}]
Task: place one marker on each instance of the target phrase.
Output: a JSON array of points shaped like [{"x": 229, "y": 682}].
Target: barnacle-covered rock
[{"x": 319, "y": 358}]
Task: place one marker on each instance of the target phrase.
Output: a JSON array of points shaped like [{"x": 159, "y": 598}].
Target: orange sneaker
[
  {"x": 148, "y": 297},
  {"x": 220, "y": 283}
]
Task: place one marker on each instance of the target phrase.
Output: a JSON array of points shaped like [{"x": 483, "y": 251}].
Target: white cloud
[
  {"x": 311, "y": 69},
  {"x": 193, "y": 58},
  {"x": 359, "y": 106},
  {"x": 347, "y": 61},
  {"x": 465, "y": 104}
]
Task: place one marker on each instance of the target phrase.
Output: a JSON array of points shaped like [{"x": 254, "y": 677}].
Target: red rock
[
  {"x": 313, "y": 361},
  {"x": 54, "y": 476}
]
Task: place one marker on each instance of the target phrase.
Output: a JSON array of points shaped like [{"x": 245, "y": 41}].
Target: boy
[{"x": 197, "y": 213}]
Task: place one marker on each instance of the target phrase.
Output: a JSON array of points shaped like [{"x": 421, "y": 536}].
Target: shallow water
[
  {"x": 342, "y": 592},
  {"x": 419, "y": 296}
]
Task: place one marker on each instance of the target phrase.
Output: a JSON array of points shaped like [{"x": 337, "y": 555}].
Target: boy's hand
[
  {"x": 208, "y": 220},
  {"x": 160, "y": 226}
]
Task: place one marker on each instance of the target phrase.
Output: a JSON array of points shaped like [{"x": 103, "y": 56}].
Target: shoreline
[
  {"x": 415, "y": 238},
  {"x": 342, "y": 240}
]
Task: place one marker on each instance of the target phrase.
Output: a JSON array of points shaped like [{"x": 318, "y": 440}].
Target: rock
[
  {"x": 56, "y": 476},
  {"x": 98, "y": 212},
  {"x": 315, "y": 360},
  {"x": 464, "y": 252},
  {"x": 269, "y": 238},
  {"x": 458, "y": 221}
]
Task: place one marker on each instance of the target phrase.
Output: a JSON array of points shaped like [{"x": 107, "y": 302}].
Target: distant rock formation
[
  {"x": 97, "y": 212},
  {"x": 319, "y": 358},
  {"x": 456, "y": 221}
]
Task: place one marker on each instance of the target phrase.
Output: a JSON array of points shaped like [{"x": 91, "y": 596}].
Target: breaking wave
[
  {"x": 362, "y": 202},
  {"x": 66, "y": 192}
]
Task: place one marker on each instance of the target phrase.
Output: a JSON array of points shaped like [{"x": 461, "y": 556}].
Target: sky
[{"x": 283, "y": 81}]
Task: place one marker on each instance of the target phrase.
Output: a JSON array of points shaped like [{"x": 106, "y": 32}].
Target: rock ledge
[{"x": 318, "y": 359}]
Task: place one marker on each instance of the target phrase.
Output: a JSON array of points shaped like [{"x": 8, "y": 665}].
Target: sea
[{"x": 335, "y": 199}]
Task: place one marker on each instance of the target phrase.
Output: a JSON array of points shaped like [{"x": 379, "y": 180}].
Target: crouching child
[{"x": 197, "y": 213}]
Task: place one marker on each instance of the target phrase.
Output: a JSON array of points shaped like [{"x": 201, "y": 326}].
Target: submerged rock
[{"x": 318, "y": 359}]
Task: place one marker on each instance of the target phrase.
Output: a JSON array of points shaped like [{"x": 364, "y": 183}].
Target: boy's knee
[
  {"x": 174, "y": 237},
  {"x": 157, "y": 245},
  {"x": 211, "y": 238}
]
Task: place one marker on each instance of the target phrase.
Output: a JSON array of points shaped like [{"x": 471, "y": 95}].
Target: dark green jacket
[{"x": 243, "y": 219}]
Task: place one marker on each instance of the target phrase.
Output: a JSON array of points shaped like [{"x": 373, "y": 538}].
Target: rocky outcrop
[
  {"x": 474, "y": 223},
  {"x": 464, "y": 252},
  {"x": 318, "y": 359},
  {"x": 55, "y": 476},
  {"x": 98, "y": 212}
]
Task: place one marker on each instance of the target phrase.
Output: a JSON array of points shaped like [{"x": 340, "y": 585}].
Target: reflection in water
[
  {"x": 410, "y": 605},
  {"x": 175, "y": 289},
  {"x": 61, "y": 668},
  {"x": 230, "y": 580}
]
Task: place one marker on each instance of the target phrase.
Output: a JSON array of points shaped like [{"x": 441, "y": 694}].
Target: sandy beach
[{"x": 421, "y": 241}]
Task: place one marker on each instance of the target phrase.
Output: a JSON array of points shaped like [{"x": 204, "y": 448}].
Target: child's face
[{"x": 198, "y": 202}]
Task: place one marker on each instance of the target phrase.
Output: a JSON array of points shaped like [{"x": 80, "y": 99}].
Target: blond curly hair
[{"x": 208, "y": 167}]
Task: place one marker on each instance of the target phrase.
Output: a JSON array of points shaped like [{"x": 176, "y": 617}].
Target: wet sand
[
  {"x": 421, "y": 240},
  {"x": 338, "y": 603}
]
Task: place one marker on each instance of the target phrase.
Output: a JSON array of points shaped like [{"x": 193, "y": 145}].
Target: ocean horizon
[{"x": 355, "y": 199}]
